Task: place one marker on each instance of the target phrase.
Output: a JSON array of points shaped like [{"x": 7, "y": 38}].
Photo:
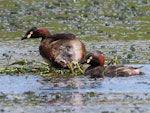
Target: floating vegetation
[
  {"x": 58, "y": 96},
  {"x": 43, "y": 69},
  {"x": 116, "y": 27},
  {"x": 107, "y": 19},
  {"x": 91, "y": 94}
]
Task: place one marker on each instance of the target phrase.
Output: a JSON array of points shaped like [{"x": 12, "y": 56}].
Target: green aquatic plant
[
  {"x": 3, "y": 96},
  {"x": 72, "y": 70},
  {"x": 91, "y": 94},
  {"x": 79, "y": 68},
  {"x": 132, "y": 48},
  {"x": 129, "y": 56},
  {"x": 113, "y": 61},
  {"x": 42, "y": 69},
  {"x": 57, "y": 96},
  {"x": 69, "y": 64},
  {"x": 21, "y": 62}
]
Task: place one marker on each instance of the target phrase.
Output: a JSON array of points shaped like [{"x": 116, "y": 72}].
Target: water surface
[
  {"x": 113, "y": 27},
  {"x": 77, "y": 94}
]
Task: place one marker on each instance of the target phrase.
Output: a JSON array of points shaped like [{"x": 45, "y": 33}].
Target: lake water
[
  {"x": 113, "y": 27},
  {"x": 30, "y": 93}
]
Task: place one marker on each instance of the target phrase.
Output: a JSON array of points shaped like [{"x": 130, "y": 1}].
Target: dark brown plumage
[
  {"x": 97, "y": 69},
  {"x": 58, "y": 49}
]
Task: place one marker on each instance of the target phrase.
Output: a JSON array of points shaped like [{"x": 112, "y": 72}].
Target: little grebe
[
  {"x": 58, "y": 49},
  {"x": 97, "y": 69}
]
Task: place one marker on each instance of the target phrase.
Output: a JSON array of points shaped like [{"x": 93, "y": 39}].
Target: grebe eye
[
  {"x": 29, "y": 35},
  {"x": 31, "y": 32},
  {"x": 89, "y": 59}
]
